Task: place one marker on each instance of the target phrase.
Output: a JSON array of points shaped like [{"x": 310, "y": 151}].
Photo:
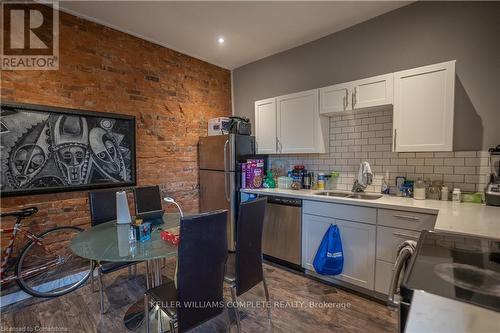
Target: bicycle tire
[{"x": 25, "y": 287}]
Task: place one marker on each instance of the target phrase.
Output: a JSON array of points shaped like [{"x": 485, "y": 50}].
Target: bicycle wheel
[{"x": 48, "y": 267}]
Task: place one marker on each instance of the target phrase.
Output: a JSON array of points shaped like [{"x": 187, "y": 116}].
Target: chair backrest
[
  {"x": 201, "y": 265},
  {"x": 147, "y": 199},
  {"x": 102, "y": 206},
  {"x": 248, "y": 265}
]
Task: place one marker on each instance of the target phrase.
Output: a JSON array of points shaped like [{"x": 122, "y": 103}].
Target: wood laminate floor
[{"x": 300, "y": 308}]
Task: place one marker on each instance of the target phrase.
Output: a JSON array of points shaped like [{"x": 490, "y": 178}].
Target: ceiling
[{"x": 251, "y": 30}]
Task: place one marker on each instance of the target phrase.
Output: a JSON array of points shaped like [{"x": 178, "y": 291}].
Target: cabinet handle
[
  {"x": 346, "y": 99},
  {"x": 395, "y": 134},
  {"x": 279, "y": 146},
  {"x": 400, "y": 234},
  {"x": 354, "y": 97},
  {"x": 407, "y": 217},
  {"x": 344, "y": 103}
]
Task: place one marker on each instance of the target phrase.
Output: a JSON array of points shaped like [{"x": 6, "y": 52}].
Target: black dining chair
[
  {"x": 244, "y": 268},
  {"x": 201, "y": 261},
  {"x": 103, "y": 209}
]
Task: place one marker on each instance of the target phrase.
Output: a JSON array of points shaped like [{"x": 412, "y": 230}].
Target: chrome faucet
[{"x": 365, "y": 177}]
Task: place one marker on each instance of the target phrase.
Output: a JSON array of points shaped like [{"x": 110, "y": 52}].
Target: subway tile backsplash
[{"x": 367, "y": 136}]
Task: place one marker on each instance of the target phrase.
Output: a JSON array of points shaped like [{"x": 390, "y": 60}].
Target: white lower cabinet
[
  {"x": 370, "y": 238},
  {"x": 358, "y": 242}
]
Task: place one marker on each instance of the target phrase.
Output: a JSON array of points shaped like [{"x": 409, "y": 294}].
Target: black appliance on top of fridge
[{"x": 220, "y": 159}]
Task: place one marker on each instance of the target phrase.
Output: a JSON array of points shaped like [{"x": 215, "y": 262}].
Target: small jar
[
  {"x": 456, "y": 195},
  {"x": 419, "y": 190},
  {"x": 444, "y": 193}
]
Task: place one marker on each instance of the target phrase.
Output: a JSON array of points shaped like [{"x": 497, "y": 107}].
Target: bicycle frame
[{"x": 8, "y": 252}]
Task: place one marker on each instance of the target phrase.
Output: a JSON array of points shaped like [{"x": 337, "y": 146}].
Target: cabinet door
[
  {"x": 265, "y": 126},
  {"x": 334, "y": 99},
  {"x": 374, "y": 91},
  {"x": 424, "y": 107},
  {"x": 313, "y": 230},
  {"x": 383, "y": 276},
  {"x": 358, "y": 242},
  {"x": 298, "y": 122}
]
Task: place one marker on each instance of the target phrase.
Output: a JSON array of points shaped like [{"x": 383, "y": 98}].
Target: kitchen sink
[
  {"x": 365, "y": 196},
  {"x": 334, "y": 194},
  {"x": 362, "y": 196}
]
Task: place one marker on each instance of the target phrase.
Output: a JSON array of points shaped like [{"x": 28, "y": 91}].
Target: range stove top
[{"x": 458, "y": 267}]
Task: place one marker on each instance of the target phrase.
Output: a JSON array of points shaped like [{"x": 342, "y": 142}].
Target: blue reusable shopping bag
[{"x": 329, "y": 259}]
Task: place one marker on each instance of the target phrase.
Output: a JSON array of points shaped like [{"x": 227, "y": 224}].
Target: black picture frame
[{"x": 80, "y": 113}]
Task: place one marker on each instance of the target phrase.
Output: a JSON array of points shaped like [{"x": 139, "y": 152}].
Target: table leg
[{"x": 134, "y": 317}]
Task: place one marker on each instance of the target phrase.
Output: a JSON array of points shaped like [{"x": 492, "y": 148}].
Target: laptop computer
[{"x": 148, "y": 204}]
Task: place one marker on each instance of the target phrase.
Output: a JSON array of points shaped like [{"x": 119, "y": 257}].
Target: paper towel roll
[
  {"x": 123, "y": 235},
  {"x": 122, "y": 212}
]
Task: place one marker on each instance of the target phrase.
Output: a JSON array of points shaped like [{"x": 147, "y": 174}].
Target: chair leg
[
  {"x": 160, "y": 324},
  {"x": 101, "y": 291},
  {"x": 235, "y": 307},
  {"x": 172, "y": 326},
  {"x": 146, "y": 313},
  {"x": 228, "y": 319},
  {"x": 266, "y": 292},
  {"x": 147, "y": 275},
  {"x": 92, "y": 276}
]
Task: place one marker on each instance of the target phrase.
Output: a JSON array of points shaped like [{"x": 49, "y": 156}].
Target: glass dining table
[{"x": 110, "y": 242}]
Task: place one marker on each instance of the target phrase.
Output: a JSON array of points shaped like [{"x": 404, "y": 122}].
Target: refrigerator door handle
[
  {"x": 226, "y": 191},
  {"x": 225, "y": 155}
]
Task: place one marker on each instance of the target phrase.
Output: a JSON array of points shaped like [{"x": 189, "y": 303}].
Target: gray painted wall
[{"x": 419, "y": 34}]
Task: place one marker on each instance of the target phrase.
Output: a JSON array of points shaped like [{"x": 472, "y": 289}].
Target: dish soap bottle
[{"x": 385, "y": 185}]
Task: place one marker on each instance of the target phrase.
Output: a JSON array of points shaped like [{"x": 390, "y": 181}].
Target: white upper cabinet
[
  {"x": 291, "y": 124},
  {"x": 424, "y": 108},
  {"x": 371, "y": 92},
  {"x": 265, "y": 126},
  {"x": 335, "y": 99},
  {"x": 366, "y": 93},
  {"x": 299, "y": 123}
]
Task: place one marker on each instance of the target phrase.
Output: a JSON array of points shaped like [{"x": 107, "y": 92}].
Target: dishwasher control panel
[{"x": 285, "y": 201}]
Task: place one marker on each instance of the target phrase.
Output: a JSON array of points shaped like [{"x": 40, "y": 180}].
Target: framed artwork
[{"x": 48, "y": 149}]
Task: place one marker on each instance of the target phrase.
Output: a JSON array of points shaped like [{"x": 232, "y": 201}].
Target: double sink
[{"x": 363, "y": 196}]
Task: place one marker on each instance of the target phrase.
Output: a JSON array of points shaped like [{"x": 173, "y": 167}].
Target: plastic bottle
[
  {"x": 385, "y": 184},
  {"x": 321, "y": 181}
]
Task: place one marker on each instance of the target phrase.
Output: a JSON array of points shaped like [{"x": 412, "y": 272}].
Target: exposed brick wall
[{"x": 170, "y": 94}]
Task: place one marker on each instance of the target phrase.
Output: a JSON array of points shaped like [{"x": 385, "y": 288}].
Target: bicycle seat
[{"x": 23, "y": 213}]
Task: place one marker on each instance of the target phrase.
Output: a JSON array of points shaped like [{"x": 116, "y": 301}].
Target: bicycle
[{"x": 46, "y": 266}]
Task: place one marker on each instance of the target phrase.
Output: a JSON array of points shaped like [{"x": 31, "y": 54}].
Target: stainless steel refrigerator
[{"x": 220, "y": 175}]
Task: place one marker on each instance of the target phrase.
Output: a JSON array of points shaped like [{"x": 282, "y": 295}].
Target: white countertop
[
  {"x": 432, "y": 313},
  {"x": 463, "y": 218}
]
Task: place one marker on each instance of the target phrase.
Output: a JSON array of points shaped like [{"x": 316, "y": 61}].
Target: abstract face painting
[{"x": 51, "y": 149}]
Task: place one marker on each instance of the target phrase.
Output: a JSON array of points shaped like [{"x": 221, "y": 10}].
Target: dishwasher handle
[{"x": 284, "y": 201}]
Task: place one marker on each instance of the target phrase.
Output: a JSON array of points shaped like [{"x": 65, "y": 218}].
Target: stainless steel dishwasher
[{"x": 282, "y": 235}]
